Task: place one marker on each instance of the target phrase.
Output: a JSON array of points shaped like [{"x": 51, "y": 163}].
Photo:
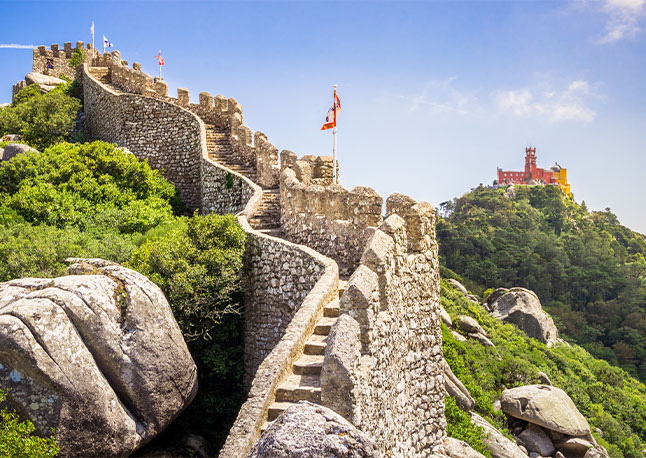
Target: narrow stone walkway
[
  {"x": 304, "y": 383},
  {"x": 266, "y": 218}
]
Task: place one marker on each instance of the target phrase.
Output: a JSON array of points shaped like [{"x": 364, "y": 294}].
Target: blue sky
[{"x": 435, "y": 95}]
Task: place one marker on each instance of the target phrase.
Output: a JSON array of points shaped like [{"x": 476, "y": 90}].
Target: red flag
[{"x": 330, "y": 119}]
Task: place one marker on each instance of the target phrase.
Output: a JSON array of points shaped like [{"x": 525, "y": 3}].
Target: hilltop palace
[{"x": 556, "y": 175}]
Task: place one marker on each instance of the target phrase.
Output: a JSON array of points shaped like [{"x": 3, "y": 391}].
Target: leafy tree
[
  {"x": 197, "y": 266},
  {"x": 17, "y": 439},
  {"x": 42, "y": 119}
]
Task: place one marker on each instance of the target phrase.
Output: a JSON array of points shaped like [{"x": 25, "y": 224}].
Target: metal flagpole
[
  {"x": 93, "y": 49},
  {"x": 160, "y": 65},
  {"x": 334, "y": 174}
]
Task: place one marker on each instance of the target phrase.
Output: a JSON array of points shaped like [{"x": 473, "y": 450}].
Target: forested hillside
[
  {"x": 588, "y": 270},
  {"x": 613, "y": 402}
]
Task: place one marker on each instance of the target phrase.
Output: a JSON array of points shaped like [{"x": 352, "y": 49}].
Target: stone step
[
  {"x": 308, "y": 365},
  {"x": 324, "y": 325},
  {"x": 300, "y": 388},
  {"x": 277, "y": 408},
  {"x": 332, "y": 309},
  {"x": 315, "y": 345}
]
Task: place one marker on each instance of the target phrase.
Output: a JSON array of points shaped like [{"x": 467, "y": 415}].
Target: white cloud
[
  {"x": 623, "y": 19},
  {"x": 440, "y": 96},
  {"x": 566, "y": 105},
  {"x": 16, "y": 46}
]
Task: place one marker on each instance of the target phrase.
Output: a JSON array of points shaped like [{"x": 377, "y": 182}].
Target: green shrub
[
  {"x": 42, "y": 120},
  {"x": 196, "y": 262},
  {"x": 198, "y": 269},
  {"x": 86, "y": 185},
  {"x": 40, "y": 251},
  {"x": 459, "y": 426},
  {"x": 17, "y": 439}
]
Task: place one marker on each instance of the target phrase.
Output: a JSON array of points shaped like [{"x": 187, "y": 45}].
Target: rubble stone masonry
[{"x": 382, "y": 366}]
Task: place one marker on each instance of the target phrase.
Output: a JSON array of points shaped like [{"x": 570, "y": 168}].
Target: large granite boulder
[
  {"x": 497, "y": 443},
  {"x": 522, "y": 308},
  {"x": 96, "y": 355},
  {"x": 455, "y": 388},
  {"x": 536, "y": 440},
  {"x": 546, "y": 406},
  {"x": 313, "y": 431},
  {"x": 13, "y": 149},
  {"x": 43, "y": 80},
  {"x": 455, "y": 448}
]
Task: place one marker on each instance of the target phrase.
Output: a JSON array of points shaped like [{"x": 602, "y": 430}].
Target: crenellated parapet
[
  {"x": 56, "y": 61},
  {"x": 326, "y": 216},
  {"x": 252, "y": 150},
  {"x": 382, "y": 365}
]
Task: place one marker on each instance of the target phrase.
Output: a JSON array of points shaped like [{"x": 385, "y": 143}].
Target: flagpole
[
  {"x": 160, "y": 76},
  {"x": 93, "y": 49},
  {"x": 334, "y": 174}
]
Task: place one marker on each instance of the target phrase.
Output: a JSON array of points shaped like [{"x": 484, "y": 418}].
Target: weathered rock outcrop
[
  {"x": 455, "y": 448},
  {"x": 13, "y": 149},
  {"x": 546, "y": 406},
  {"x": 46, "y": 82},
  {"x": 522, "y": 308},
  {"x": 537, "y": 441},
  {"x": 310, "y": 430},
  {"x": 455, "y": 388},
  {"x": 496, "y": 442},
  {"x": 96, "y": 355}
]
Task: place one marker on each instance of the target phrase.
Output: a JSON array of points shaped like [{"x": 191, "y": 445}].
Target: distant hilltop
[{"x": 533, "y": 175}]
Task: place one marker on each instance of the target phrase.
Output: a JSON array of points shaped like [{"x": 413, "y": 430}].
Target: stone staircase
[
  {"x": 304, "y": 383},
  {"x": 266, "y": 218},
  {"x": 219, "y": 148},
  {"x": 102, "y": 75}
]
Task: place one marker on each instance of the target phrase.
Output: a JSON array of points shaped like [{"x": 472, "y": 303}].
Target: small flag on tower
[
  {"x": 330, "y": 119},
  {"x": 160, "y": 59},
  {"x": 106, "y": 43}
]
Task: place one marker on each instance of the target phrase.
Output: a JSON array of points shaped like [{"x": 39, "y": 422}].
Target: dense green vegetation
[
  {"x": 607, "y": 396},
  {"x": 17, "y": 440},
  {"x": 42, "y": 119},
  {"x": 588, "y": 270},
  {"x": 92, "y": 200},
  {"x": 197, "y": 265}
]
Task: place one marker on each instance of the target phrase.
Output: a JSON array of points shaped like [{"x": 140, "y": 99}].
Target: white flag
[{"x": 106, "y": 42}]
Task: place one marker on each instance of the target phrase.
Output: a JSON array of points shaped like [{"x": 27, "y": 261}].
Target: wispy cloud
[
  {"x": 16, "y": 46},
  {"x": 624, "y": 18},
  {"x": 566, "y": 105},
  {"x": 441, "y": 96}
]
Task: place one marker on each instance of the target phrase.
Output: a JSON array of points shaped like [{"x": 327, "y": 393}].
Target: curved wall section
[{"x": 166, "y": 135}]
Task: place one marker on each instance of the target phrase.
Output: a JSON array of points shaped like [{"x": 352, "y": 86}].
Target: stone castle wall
[
  {"x": 162, "y": 133},
  {"x": 251, "y": 149},
  {"x": 59, "y": 59},
  {"x": 323, "y": 215},
  {"x": 382, "y": 367},
  {"x": 286, "y": 285}
]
